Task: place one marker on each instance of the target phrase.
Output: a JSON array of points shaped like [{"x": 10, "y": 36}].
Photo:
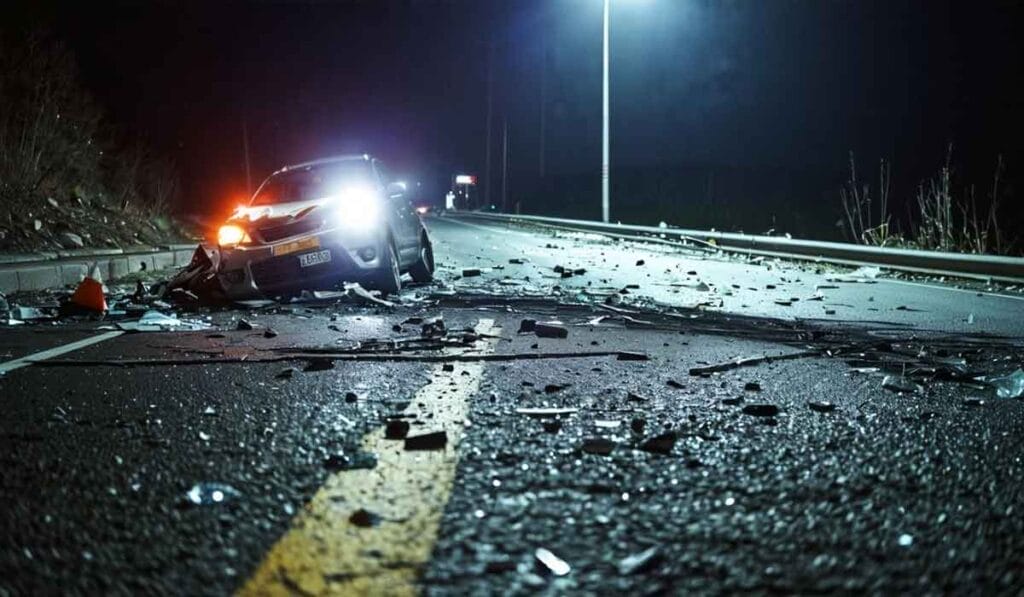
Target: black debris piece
[
  {"x": 470, "y": 272},
  {"x": 364, "y": 518},
  {"x": 527, "y": 325},
  {"x": 551, "y": 329},
  {"x": 287, "y": 373},
  {"x": 631, "y": 356},
  {"x": 396, "y": 429},
  {"x": 319, "y": 365},
  {"x": 436, "y": 440},
  {"x": 244, "y": 325},
  {"x": 660, "y": 444},
  {"x": 598, "y": 445},
  {"x": 269, "y": 333},
  {"x": 552, "y": 425},
  {"x": 821, "y": 406},
  {"x": 752, "y": 386},
  {"x": 639, "y": 562},
  {"x": 761, "y": 410}
]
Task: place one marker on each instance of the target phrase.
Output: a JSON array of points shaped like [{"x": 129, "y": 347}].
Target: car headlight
[
  {"x": 230, "y": 235},
  {"x": 358, "y": 208}
]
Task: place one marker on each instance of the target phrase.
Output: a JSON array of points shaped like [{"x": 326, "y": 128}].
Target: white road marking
[{"x": 55, "y": 352}]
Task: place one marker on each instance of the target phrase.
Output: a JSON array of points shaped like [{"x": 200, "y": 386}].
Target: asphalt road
[{"x": 658, "y": 473}]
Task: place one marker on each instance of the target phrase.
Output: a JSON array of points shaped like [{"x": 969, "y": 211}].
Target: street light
[{"x": 605, "y": 173}]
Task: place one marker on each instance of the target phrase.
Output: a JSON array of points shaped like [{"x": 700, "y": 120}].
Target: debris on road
[
  {"x": 899, "y": 383},
  {"x": 470, "y": 272},
  {"x": 203, "y": 494},
  {"x": 436, "y": 440},
  {"x": 747, "y": 362},
  {"x": 551, "y": 329},
  {"x": 598, "y": 445},
  {"x": 396, "y": 429},
  {"x": 364, "y": 518},
  {"x": 639, "y": 562},
  {"x": 1009, "y": 386},
  {"x": 341, "y": 461},
  {"x": 660, "y": 444},
  {"x": 761, "y": 410},
  {"x": 549, "y": 563},
  {"x": 527, "y": 326},
  {"x": 545, "y": 412},
  {"x": 821, "y": 406},
  {"x": 244, "y": 325}
]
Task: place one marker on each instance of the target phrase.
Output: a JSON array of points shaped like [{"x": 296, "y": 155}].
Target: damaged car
[{"x": 316, "y": 225}]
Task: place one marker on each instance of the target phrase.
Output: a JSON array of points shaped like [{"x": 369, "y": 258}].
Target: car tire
[
  {"x": 389, "y": 278},
  {"x": 423, "y": 270}
]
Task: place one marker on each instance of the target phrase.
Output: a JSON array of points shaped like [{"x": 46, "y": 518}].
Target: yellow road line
[{"x": 323, "y": 553}]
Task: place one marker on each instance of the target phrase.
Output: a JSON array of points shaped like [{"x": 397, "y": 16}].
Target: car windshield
[{"x": 315, "y": 182}]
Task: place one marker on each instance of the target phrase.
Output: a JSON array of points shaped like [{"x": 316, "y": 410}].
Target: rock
[
  {"x": 70, "y": 240},
  {"x": 436, "y": 440},
  {"x": 448, "y": 367},
  {"x": 552, "y": 425},
  {"x": 551, "y": 388},
  {"x": 733, "y": 401},
  {"x": 639, "y": 562},
  {"x": 752, "y": 386},
  {"x": 269, "y": 333},
  {"x": 638, "y": 424},
  {"x": 351, "y": 397},
  {"x": 761, "y": 410},
  {"x": 675, "y": 384},
  {"x": 516, "y": 261},
  {"x": 37, "y": 225},
  {"x": 640, "y": 262},
  {"x": 598, "y": 445},
  {"x": 551, "y": 329},
  {"x": 660, "y": 444},
  {"x": 244, "y": 326},
  {"x": 396, "y": 429},
  {"x": 821, "y": 407}
]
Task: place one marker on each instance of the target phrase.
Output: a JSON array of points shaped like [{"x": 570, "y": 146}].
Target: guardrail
[{"x": 985, "y": 267}]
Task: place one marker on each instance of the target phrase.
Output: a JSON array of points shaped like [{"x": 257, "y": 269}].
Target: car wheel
[
  {"x": 423, "y": 270},
  {"x": 389, "y": 279}
]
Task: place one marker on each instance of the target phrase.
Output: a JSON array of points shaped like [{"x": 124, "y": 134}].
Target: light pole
[{"x": 605, "y": 174}]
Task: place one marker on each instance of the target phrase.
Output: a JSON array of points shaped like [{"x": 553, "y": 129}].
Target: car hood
[{"x": 280, "y": 210}]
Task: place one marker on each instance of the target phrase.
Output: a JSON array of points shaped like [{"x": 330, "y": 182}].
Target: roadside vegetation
[
  {"x": 67, "y": 179},
  {"x": 945, "y": 214}
]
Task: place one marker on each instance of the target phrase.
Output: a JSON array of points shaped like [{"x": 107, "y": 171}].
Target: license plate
[
  {"x": 303, "y": 244},
  {"x": 308, "y": 259}
]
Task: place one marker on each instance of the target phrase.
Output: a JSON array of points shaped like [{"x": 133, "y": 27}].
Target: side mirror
[{"x": 396, "y": 190}]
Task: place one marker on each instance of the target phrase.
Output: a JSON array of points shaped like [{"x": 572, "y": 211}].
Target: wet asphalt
[{"x": 657, "y": 481}]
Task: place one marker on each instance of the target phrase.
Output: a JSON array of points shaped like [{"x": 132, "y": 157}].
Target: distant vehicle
[{"x": 315, "y": 225}]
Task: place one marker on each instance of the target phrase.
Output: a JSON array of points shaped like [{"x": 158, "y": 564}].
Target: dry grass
[{"x": 940, "y": 218}]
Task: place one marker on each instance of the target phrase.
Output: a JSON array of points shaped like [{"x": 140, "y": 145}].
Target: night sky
[{"x": 776, "y": 84}]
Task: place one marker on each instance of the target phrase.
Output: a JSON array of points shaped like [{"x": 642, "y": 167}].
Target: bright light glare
[
  {"x": 358, "y": 207},
  {"x": 422, "y": 209},
  {"x": 229, "y": 234},
  {"x": 465, "y": 179}
]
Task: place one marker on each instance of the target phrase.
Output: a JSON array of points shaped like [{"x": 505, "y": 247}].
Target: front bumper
[{"x": 250, "y": 271}]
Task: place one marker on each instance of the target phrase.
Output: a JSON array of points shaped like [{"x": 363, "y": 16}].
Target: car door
[{"x": 406, "y": 225}]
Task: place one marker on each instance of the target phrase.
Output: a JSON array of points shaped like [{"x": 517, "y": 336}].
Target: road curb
[
  {"x": 55, "y": 272},
  {"x": 986, "y": 267}
]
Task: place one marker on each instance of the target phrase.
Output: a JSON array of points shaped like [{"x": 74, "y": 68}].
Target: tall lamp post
[{"x": 605, "y": 173}]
